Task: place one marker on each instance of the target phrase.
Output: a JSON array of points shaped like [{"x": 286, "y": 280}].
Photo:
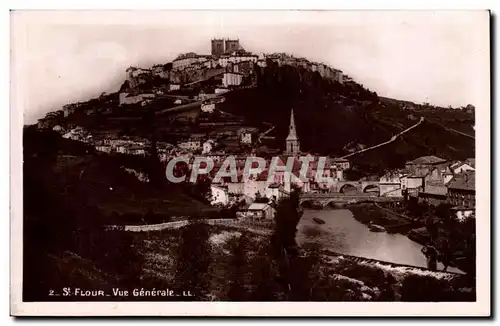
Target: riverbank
[
  {"x": 228, "y": 263},
  {"x": 366, "y": 213}
]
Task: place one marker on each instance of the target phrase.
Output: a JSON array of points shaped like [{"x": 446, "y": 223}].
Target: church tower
[{"x": 292, "y": 141}]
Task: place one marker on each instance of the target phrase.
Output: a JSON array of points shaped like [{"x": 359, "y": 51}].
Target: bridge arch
[
  {"x": 333, "y": 204},
  {"x": 310, "y": 203},
  {"x": 372, "y": 187},
  {"x": 348, "y": 187}
]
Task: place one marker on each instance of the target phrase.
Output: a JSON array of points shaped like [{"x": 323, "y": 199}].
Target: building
[
  {"x": 136, "y": 76},
  {"x": 221, "y": 90},
  {"x": 190, "y": 145},
  {"x": 246, "y": 137},
  {"x": 341, "y": 163},
  {"x": 58, "y": 129},
  {"x": 459, "y": 167},
  {"x": 435, "y": 181},
  {"x": 128, "y": 98},
  {"x": 390, "y": 185},
  {"x": 260, "y": 211},
  {"x": 186, "y": 60},
  {"x": 415, "y": 172},
  {"x": 232, "y": 79},
  {"x": 231, "y": 45},
  {"x": 174, "y": 87},
  {"x": 412, "y": 183},
  {"x": 471, "y": 162},
  {"x": 292, "y": 140},
  {"x": 462, "y": 190},
  {"x": 221, "y": 46},
  {"x": 208, "y": 107},
  {"x": 68, "y": 110},
  {"x": 217, "y": 47},
  {"x": 220, "y": 195},
  {"x": 208, "y": 146},
  {"x": 425, "y": 162}
]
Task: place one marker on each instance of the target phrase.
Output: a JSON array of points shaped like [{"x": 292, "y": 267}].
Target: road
[
  {"x": 178, "y": 108},
  {"x": 452, "y": 130},
  {"x": 393, "y": 138},
  {"x": 266, "y": 132}
]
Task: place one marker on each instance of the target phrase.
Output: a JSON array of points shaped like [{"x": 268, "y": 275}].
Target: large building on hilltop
[{"x": 223, "y": 46}]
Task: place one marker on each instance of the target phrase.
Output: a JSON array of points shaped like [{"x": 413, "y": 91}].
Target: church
[{"x": 292, "y": 140}]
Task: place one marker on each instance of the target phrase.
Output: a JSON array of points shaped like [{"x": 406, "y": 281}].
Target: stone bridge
[
  {"x": 339, "y": 199},
  {"x": 358, "y": 186}
]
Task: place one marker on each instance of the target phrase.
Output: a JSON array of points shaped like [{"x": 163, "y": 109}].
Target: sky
[{"x": 421, "y": 56}]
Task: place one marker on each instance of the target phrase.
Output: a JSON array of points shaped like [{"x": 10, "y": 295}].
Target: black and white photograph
[{"x": 188, "y": 159}]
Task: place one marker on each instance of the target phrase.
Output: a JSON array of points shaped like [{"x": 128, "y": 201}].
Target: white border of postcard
[{"x": 479, "y": 308}]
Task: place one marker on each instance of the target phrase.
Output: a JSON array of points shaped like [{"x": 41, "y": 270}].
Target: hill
[{"x": 334, "y": 119}]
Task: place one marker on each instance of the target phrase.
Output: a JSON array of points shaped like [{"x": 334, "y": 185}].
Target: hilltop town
[{"x": 400, "y": 167}]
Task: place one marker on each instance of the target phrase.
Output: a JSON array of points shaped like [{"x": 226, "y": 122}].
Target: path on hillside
[
  {"x": 452, "y": 130},
  {"x": 393, "y": 138},
  {"x": 266, "y": 132},
  {"x": 181, "y": 107}
]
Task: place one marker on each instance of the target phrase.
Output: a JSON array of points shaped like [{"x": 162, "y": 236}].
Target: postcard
[{"x": 250, "y": 163}]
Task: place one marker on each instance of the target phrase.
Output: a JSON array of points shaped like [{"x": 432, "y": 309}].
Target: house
[
  {"x": 68, "y": 110},
  {"x": 459, "y": 167},
  {"x": 208, "y": 146},
  {"x": 341, "y": 163},
  {"x": 261, "y": 63},
  {"x": 437, "y": 178},
  {"x": 434, "y": 189},
  {"x": 178, "y": 102},
  {"x": 232, "y": 79},
  {"x": 46, "y": 123},
  {"x": 246, "y": 137},
  {"x": 256, "y": 185},
  {"x": 390, "y": 185},
  {"x": 131, "y": 98},
  {"x": 208, "y": 107},
  {"x": 462, "y": 190},
  {"x": 220, "y": 195},
  {"x": 58, "y": 129},
  {"x": 104, "y": 148},
  {"x": 235, "y": 188},
  {"x": 413, "y": 182},
  {"x": 174, "y": 87},
  {"x": 471, "y": 162},
  {"x": 221, "y": 90},
  {"x": 260, "y": 211},
  {"x": 425, "y": 161},
  {"x": 190, "y": 145}
]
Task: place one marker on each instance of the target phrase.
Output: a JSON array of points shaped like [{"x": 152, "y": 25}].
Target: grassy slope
[{"x": 326, "y": 125}]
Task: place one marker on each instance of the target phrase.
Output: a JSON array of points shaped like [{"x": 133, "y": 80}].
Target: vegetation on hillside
[{"x": 334, "y": 118}]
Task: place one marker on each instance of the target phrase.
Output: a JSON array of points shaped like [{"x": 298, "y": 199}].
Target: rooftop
[
  {"x": 430, "y": 160},
  {"x": 471, "y": 162},
  {"x": 464, "y": 181},
  {"x": 258, "y": 206}
]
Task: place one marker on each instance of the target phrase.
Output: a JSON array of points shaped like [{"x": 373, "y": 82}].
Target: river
[{"x": 344, "y": 234}]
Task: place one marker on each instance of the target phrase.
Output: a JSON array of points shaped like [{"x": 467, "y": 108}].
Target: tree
[
  {"x": 238, "y": 250},
  {"x": 286, "y": 218},
  {"x": 193, "y": 258}
]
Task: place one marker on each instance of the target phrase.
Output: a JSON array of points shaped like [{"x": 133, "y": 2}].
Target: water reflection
[{"x": 342, "y": 233}]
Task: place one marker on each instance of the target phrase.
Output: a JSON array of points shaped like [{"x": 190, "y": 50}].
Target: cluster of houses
[
  {"x": 228, "y": 62},
  {"x": 324, "y": 70},
  {"x": 222, "y": 142},
  {"x": 237, "y": 187},
  {"x": 434, "y": 180}
]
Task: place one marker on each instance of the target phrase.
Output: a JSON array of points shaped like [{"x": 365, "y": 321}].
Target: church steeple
[
  {"x": 292, "y": 133},
  {"x": 292, "y": 141}
]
